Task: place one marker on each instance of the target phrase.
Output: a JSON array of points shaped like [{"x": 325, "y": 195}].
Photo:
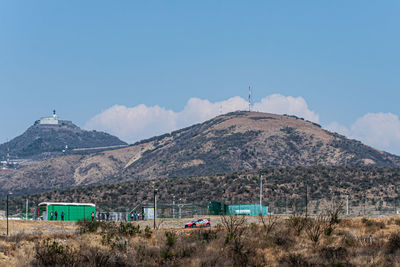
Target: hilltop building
[{"x": 53, "y": 120}]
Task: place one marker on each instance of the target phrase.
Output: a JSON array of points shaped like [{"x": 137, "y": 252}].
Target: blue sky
[{"x": 84, "y": 57}]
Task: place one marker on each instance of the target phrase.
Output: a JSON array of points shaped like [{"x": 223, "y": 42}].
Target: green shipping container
[
  {"x": 217, "y": 208},
  {"x": 247, "y": 209},
  {"x": 72, "y": 211}
]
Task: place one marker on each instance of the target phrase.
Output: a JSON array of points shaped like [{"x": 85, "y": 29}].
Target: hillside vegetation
[
  {"x": 374, "y": 190},
  {"x": 235, "y": 142},
  {"x": 42, "y": 139},
  {"x": 270, "y": 241}
]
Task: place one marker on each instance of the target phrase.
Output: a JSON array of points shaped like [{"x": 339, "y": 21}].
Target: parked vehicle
[{"x": 198, "y": 223}]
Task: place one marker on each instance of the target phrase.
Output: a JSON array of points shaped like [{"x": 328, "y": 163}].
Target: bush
[
  {"x": 293, "y": 259},
  {"x": 171, "y": 239},
  {"x": 372, "y": 223},
  {"x": 147, "y": 232},
  {"x": 297, "y": 223},
  {"x": 333, "y": 255},
  {"x": 315, "y": 228},
  {"x": 394, "y": 243},
  {"x": 53, "y": 253},
  {"x": 204, "y": 235},
  {"x": 93, "y": 256},
  {"x": 114, "y": 241},
  {"x": 129, "y": 229},
  {"x": 88, "y": 226},
  {"x": 283, "y": 239},
  {"x": 328, "y": 231}
]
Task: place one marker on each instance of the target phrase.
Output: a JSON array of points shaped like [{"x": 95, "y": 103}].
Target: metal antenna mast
[
  {"x": 261, "y": 190},
  {"x": 249, "y": 99}
]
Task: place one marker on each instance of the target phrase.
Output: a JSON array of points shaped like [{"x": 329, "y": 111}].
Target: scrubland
[{"x": 232, "y": 241}]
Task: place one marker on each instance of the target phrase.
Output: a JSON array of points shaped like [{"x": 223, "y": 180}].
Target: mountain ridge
[
  {"x": 238, "y": 141},
  {"x": 52, "y": 139}
]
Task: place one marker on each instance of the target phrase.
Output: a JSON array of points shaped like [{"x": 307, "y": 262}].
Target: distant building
[
  {"x": 219, "y": 208},
  {"x": 72, "y": 211},
  {"x": 53, "y": 120}
]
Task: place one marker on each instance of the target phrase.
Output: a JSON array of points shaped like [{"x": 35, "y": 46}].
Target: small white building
[{"x": 53, "y": 120}]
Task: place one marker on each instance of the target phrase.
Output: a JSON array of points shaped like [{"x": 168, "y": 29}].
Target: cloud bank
[
  {"x": 140, "y": 122},
  {"x": 379, "y": 130},
  {"x": 131, "y": 124}
]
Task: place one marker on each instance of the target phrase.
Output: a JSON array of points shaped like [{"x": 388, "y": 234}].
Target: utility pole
[
  {"x": 26, "y": 213},
  {"x": 180, "y": 205},
  {"x": 306, "y": 200},
  {"x": 364, "y": 205},
  {"x": 173, "y": 207},
  {"x": 155, "y": 207},
  {"x": 285, "y": 205},
  {"x": 261, "y": 211},
  {"x": 8, "y": 194}
]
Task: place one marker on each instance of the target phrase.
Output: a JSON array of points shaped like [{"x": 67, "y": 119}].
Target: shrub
[
  {"x": 328, "y": 231},
  {"x": 268, "y": 222},
  {"x": 334, "y": 214},
  {"x": 315, "y": 228},
  {"x": 93, "y": 256},
  {"x": 380, "y": 225},
  {"x": 297, "y": 223},
  {"x": 234, "y": 227},
  {"x": 147, "y": 232},
  {"x": 88, "y": 226},
  {"x": 333, "y": 255},
  {"x": 129, "y": 229},
  {"x": 114, "y": 241},
  {"x": 171, "y": 239},
  {"x": 293, "y": 259},
  {"x": 394, "y": 243},
  {"x": 205, "y": 235},
  {"x": 282, "y": 239},
  {"x": 53, "y": 253},
  {"x": 372, "y": 223}
]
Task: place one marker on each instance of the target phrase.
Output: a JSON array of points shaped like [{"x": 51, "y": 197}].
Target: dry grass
[
  {"x": 230, "y": 242},
  {"x": 36, "y": 227}
]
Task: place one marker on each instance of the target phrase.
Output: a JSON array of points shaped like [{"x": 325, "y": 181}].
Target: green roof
[{"x": 66, "y": 204}]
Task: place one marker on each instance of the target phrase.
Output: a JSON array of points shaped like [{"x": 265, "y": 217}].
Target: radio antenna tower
[{"x": 249, "y": 99}]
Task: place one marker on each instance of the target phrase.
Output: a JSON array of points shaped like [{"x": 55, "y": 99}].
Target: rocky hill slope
[
  {"x": 40, "y": 139},
  {"x": 236, "y": 141},
  {"x": 374, "y": 189}
]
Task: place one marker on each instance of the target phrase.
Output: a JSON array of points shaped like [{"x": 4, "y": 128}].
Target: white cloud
[
  {"x": 136, "y": 123},
  {"x": 380, "y": 130},
  {"x": 338, "y": 128},
  {"x": 280, "y": 104}
]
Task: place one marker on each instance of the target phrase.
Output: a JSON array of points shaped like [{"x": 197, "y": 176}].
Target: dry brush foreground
[{"x": 233, "y": 241}]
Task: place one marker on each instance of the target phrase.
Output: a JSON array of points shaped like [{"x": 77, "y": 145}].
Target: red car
[{"x": 198, "y": 223}]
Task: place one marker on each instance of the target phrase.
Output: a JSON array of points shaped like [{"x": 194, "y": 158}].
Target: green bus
[{"x": 72, "y": 211}]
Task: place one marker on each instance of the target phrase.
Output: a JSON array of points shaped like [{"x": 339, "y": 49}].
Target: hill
[
  {"x": 232, "y": 142},
  {"x": 375, "y": 188},
  {"x": 51, "y": 139}
]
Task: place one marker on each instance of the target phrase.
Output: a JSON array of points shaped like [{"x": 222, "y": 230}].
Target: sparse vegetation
[
  {"x": 284, "y": 188},
  {"x": 235, "y": 242},
  {"x": 221, "y": 145}
]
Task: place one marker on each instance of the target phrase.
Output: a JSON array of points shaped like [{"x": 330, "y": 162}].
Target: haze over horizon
[{"x": 138, "y": 69}]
